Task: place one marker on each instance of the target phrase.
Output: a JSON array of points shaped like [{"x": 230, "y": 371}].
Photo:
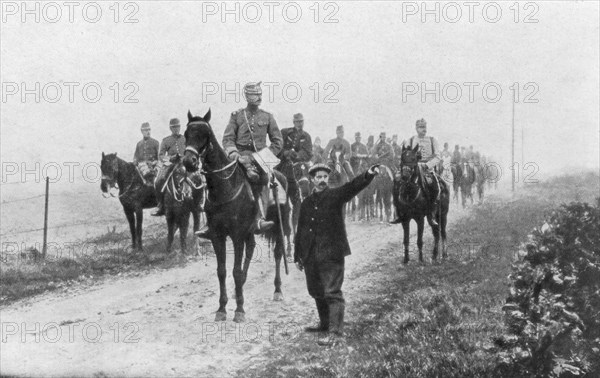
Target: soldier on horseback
[
  {"x": 145, "y": 156},
  {"x": 383, "y": 152},
  {"x": 297, "y": 148},
  {"x": 342, "y": 145},
  {"x": 317, "y": 150},
  {"x": 430, "y": 159},
  {"x": 172, "y": 145},
  {"x": 359, "y": 153},
  {"x": 245, "y": 135}
]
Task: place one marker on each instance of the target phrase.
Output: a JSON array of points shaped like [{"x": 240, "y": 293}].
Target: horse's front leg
[
  {"x": 278, "y": 252},
  {"x": 184, "y": 222},
  {"x": 170, "y": 231},
  {"x": 250, "y": 246},
  {"x": 219, "y": 247},
  {"x": 406, "y": 229},
  {"x": 129, "y": 214},
  {"x": 139, "y": 218},
  {"x": 238, "y": 278},
  {"x": 436, "y": 235},
  {"x": 420, "y": 227}
]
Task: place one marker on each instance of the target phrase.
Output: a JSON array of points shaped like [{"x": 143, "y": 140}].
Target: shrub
[{"x": 552, "y": 314}]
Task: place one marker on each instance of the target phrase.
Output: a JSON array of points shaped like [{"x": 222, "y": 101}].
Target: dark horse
[
  {"x": 134, "y": 195},
  {"x": 182, "y": 197},
  {"x": 230, "y": 211},
  {"x": 414, "y": 204}
]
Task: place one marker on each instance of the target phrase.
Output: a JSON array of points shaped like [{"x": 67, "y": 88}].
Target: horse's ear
[
  {"x": 207, "y": 116},
  {"x": 189, "y": 115},
  {"x": 115, "y": 154},
  {"x": 102, "y": 155}
]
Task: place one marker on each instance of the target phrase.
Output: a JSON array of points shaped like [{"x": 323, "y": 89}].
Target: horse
[
  {"x": 384, "y": 183},
  {"x": 357, "y": 204},
  {"x": 467, "y": 179},
  {"x": 182, "y": 197},
  {"x": 134, "y": 194},
  {"x": 480, "y": 179},
  {"x": 338, "y": 176},
  {"x": 230, "y": 211},
  {"x": 456, "y": 170},
  {"x": 414, "y": 204}
]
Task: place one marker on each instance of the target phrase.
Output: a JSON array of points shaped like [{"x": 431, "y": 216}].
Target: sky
[{"x": 371, "y": 66}]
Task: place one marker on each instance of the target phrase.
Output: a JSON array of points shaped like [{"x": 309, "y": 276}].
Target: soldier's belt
[{"x": 245, "y": 147}]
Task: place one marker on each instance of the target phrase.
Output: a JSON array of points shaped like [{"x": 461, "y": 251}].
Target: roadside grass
[
  {"x": 28, "y": 274},
  {"x": 433, "y": 320}
]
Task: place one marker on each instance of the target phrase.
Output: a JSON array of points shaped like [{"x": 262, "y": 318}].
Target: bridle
[{"x": 412, "y": 179}]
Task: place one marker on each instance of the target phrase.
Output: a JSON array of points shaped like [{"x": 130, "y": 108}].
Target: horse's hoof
[
  {"x": 239, "y": 317},
  {"x": 278, "y": 297},
  {"x": 221, "y": 316}
]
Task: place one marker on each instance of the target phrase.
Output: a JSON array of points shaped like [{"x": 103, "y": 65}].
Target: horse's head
[
  {"x": 198, "y": 135},
  {"x": 109, "y": 166},
  {"x": 409, "y": 158}
]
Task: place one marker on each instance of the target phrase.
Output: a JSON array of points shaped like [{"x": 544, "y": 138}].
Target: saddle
[{"x": 430, "y": 183}]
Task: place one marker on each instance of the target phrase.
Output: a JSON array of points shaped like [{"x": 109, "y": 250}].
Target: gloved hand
[
  {"x": 374, "y": 169},
  {"x": 234, "y": 155},
  {"x": 245, "y": 160},
  {"x": 423, "y": 167}
]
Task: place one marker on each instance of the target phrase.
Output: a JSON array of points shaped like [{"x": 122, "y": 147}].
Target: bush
[{"x": 553, "y": 311}]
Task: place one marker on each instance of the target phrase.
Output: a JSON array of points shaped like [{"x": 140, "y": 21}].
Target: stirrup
[
  {"x": 262, "y": 225},
  {"x": 204, "y": 233}
]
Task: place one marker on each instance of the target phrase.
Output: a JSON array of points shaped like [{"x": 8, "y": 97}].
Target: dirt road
[{"x": 161, "y": 323}]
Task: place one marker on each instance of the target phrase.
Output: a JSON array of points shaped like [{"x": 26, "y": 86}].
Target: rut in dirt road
[{"x": 161, "y": 324}]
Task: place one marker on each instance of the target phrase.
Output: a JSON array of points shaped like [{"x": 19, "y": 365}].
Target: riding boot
[
  {"x": 260, "y": 224},
  {"x": 395, "y": 194},
  {"x": 323, "y": 310},
  {"x": 336, "y": 325},
  {"x": 251, "y": 171},
  {"x": 433, "y": 202},
  {"x": 158, "y": 188}
]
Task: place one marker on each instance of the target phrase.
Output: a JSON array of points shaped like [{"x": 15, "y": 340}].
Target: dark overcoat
[{"x": 321, "y": 233}]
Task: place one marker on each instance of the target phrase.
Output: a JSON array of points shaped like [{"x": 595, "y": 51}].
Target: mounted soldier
[
  {"x": 246, "y": 135},
  {"x": 339, "y": 144},
  {"x": 397, "y": 152},
  {"x": 359, "y": 153},
  {"x": 317, "y": 150},
  {"x": 297, "y": 148},
  {"x": 145, "y": 156},
  {"x": 383, "y": 153},
  {"x": 428, "y": 165},
  {"x": 171, "y": 146}
]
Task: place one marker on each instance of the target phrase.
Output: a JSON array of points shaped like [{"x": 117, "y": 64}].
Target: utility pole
[{"x": 513, "y": 144}]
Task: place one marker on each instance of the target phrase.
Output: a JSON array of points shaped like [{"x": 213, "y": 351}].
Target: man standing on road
[
  {"x": 145, "y": 156},
  {"x": 321, "y": 245}
]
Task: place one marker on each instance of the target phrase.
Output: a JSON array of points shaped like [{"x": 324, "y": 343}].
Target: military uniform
[
  {"x": 383, "y": 153},
  {"x": 359, "y": 152},
  {"x": 321, "y": 245},
  {"x": 145, "y": 158},
  {"x": 171, "y": 146},
  {"x": 247, "y": 132},
  {"x": 146, "y": 150}
]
